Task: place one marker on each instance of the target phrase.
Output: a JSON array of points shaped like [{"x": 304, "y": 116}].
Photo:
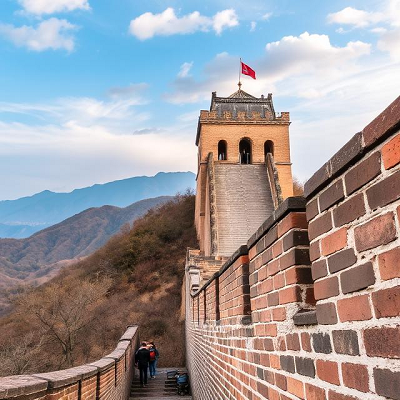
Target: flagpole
[{"x": 240, "y": 65}]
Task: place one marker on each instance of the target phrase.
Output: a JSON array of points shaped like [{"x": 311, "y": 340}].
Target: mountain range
[
  {"x": 40, "y": 257},
  {"x": 22, "y": 217}
]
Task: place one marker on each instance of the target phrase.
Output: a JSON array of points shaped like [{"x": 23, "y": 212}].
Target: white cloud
[
  {"x": 167, "y": 23},
  {"x": 54, "y": 156},
  {"x": 352, "y": 16},
  {"x": 253, "y": 26},
  {"x": 390, "y": 42},
  {"x": 388, "y": 13},
  {"x": 224, "y": 19},
  {"x": 39, "y": 7},
  {"x": 185, "y": 69},
  {"x": 52, "y": 34},
  {"x": 267, "y": 16}
]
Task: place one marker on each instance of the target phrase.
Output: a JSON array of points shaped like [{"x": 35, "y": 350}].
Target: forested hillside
[{"x": 136, "y": 278}]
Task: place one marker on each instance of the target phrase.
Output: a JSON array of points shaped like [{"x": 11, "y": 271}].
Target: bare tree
[
  {"x": 63, "y": 311},
  {"x": 18, "y": 355}
]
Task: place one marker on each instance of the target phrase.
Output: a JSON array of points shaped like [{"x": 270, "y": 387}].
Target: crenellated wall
[
  {"x": 108, "y": 378},
  {"x": 310, "y": 308}
]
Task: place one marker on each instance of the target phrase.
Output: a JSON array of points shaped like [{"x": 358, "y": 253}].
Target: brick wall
[
  {"x": 108, "y": 378},
  {"x": 316, "y": 315}
]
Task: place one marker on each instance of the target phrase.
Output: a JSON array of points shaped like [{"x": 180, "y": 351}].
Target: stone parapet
[
  {"x": 243, "y": 117},
  {"x": 108, "y": 378},
  {"x": 323, "y": 275}
]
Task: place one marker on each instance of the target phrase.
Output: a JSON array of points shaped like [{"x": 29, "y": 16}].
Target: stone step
[
  {"x": 244, "y": 202},
  {"x": 159, "y": 388}
]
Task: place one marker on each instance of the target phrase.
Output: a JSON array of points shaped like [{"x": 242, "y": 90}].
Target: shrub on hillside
[{"x": 144, "y": 268}]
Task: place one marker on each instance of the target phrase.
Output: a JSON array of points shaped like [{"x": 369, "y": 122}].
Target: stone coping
[
  {"x": 22, "y": 385},
  {"x": 387, "y": 122}
]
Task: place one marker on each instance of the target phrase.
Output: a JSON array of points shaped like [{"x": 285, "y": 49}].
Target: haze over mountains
[{"x": 22, "y": 217}]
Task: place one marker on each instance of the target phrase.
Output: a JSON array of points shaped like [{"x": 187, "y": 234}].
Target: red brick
[
  {"x": 384, "y": 191},
  {"x": 295, "y": 387},
  {"x": 357, "y": 278},
  {"x": 354, "y": 308},
  {"x": 378, "y": 231},
  {"x": 319, "y": 269},
  {"x": 314, "y": 393},
  {"x": 280, "y": 381},
  {"x": 326, "y": 313},
  {"x": 273, "y": 394},
  {"x": 293, "y": 220},
  {"x": 279, "y": 281},
  {"x": 277, "y": 249},
  {"x": 279, "y": 314},
  {"x": 364, "y": 172},
  {"x": 275, "y": 362},
  {"x": 382, "y": 342},
  {"x": 389, "y": 265},
  {"x": 298, "y": 275},
  {"x": 355, "y": 376},
  {"x": 315, "y": 251},
  {"x": 320, "y": 225},
  {"x": 312, "y": 209},
  {"x": 293, "y": 342},
  {"x": 325, "y": 288},
  {"x": 334, "y": 242},
  {"x": 290, "y": 295},
  {"x": 328, "y": 371},
  {"x": 306, "y": 341},
  {"x": 350, "y": 210},
  {"x": 387, "y": 383},
  {"x": 339, "y": 396},
  {"x": 387, "y": 302},
  {"x": 391, "y": 152},
  {"x": 331, "y": 195}
]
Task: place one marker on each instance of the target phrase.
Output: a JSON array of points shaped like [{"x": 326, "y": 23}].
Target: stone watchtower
[{"x": 244, "y": 169}]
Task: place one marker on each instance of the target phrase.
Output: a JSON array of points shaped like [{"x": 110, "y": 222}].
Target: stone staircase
[
  {"x": 244, "y": 202},
  {"x": 159, "y": 388}
]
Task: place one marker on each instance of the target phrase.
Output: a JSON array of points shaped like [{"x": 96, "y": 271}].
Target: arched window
[
  {"x": 245, "y": 151},
  {"x": 268, "y": 148},
  {"x": 222, "y": 150}
]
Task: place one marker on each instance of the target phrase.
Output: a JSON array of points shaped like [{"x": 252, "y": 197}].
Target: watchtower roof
[{"x": 242, "y": 101}]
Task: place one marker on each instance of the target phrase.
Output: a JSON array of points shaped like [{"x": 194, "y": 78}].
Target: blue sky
[{"x": 93, "y": 91}]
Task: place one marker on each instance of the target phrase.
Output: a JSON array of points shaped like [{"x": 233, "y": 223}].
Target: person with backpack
[
  {"x": 154, "y": 354},
  {"x": 142, "y": 360}
]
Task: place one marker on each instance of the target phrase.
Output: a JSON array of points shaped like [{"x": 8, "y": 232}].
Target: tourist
[
  {"x": 142, "y": 359},
  {"x": 154, "y": 354}
]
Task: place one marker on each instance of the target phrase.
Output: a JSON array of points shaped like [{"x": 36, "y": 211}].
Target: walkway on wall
[
  {"x": 157, "y": 389},
  {"x": 244, "y": 201}
]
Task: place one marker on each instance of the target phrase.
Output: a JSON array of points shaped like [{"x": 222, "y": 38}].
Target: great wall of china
[{"x": 308, "y": 308}]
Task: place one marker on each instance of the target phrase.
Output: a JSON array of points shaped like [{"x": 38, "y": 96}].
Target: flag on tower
[{"x": 246, "y": 70}]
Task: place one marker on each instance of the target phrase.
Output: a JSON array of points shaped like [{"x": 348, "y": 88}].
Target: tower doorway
[
  {"x": 245, "y": 151},
  {"x": 222, "y": 150},
  {"x": 268, "y": 148}
]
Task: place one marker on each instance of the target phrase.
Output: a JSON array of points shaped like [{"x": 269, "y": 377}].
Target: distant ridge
[
  {"x": 22, "y": 217},
  {"x": 39, "y": 257}
]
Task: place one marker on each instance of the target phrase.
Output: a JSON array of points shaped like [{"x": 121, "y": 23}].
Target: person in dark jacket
[{"x": 142, "y": 359}]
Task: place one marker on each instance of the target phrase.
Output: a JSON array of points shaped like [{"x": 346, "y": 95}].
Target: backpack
[{"x": 152, "y": 355}]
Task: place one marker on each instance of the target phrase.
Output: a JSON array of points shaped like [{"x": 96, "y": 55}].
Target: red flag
[{"x": 246, "y": 70}]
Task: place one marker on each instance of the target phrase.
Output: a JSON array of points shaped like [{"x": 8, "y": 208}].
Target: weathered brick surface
[{"x": 352, "y": 351}]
